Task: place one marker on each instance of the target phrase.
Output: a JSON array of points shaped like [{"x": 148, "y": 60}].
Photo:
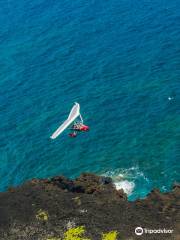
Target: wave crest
[{"x": 126, "y": 178}]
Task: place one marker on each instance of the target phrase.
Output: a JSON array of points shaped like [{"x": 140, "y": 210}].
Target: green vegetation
[
  {"x": 42, "y": 215},
  {"x": 75, "y": 234},
  {"x": 110, "y": 236}
]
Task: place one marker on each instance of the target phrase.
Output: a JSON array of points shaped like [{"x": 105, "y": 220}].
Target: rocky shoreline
[{"x": 46, "y": 209}]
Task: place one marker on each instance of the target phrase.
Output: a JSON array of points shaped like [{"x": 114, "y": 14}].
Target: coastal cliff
[{"x": 47, "y": 209}]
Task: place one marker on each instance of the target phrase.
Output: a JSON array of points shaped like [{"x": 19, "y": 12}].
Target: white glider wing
[{"x": 75, "y": 112}]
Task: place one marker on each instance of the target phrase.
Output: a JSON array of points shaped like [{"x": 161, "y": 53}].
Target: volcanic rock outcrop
[{"x": 46, "y": 209}]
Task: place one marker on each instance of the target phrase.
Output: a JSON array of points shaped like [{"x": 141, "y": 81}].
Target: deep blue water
[{"x": 120, "y": 60}]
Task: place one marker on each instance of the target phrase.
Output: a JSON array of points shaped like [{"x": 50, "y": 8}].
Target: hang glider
[{"x": 76, "y": 126}]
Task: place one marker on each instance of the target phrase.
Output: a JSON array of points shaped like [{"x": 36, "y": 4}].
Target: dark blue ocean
[{"x": 120, "y": 59}]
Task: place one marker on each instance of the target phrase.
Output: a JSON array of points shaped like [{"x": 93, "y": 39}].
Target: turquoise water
[{"x": 120, "y": 60}]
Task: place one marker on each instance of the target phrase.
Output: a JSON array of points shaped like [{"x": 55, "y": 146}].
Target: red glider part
[
  {"x": 84, "y": 128},
  {"x": 73, "y": 135}
]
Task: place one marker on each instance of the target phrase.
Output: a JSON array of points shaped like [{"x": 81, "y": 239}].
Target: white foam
[
  {"x": 125, "y": 178},
  {"x": 127, "y": 186},
  {"x": 170, "y": 98}
]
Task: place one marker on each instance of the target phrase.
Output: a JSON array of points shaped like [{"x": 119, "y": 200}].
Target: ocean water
[{"x": 120, "y": 59}]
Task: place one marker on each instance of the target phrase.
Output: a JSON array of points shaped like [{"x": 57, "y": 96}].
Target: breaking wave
[
  {"x": 126, "y": 186},
  {"x": 126, "y": 179}
]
